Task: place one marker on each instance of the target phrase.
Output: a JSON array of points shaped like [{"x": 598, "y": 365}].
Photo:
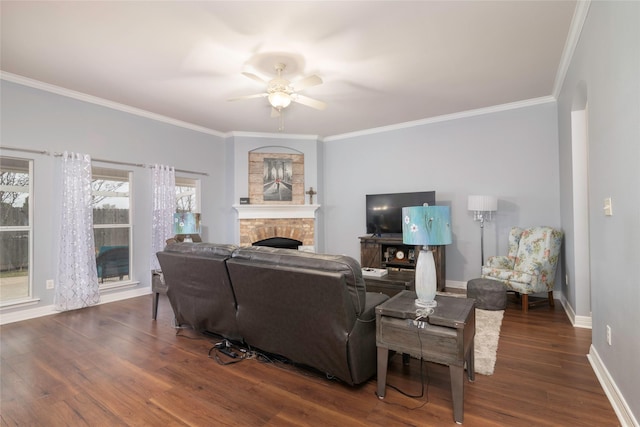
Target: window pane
[
  {"x": 111, "y": 215},
  {"x": 111, "y": 223},
  {"x": 14, "y": 192},
  {"x": 186, "y": 199},
  {"x": 112, "y": 254},
  {"x": 14, "y": 264},
  {"x": 110, "y": 196}
]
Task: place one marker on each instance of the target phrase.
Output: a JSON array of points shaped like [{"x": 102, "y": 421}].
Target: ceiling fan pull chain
[{"x": 281, "y": 122}]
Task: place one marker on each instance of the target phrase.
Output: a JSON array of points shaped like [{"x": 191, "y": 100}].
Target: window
[
  {"x": 187, "y": 195},
  {"x": 15, "y": 229},
  {"x": 111, "y": 224}
]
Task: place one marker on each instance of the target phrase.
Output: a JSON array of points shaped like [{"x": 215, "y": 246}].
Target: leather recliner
[
  {"x": 198, "y": 286},
  {"x": 312, "y": 309}
]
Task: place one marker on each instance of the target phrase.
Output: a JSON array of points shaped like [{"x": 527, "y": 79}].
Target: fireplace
[
  {"x": 264, "y": 222},
  {"x": 279, "y": 242}
]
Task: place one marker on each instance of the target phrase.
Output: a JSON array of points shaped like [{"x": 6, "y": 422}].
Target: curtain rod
[
  {"x": 113, "y": 162},
  {"x": 24, "y": 150},
  {"x": 140, "y": 165}
]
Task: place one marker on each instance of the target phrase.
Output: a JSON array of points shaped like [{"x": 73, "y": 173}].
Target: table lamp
[
  {"x": 186, "y": 226},
  {"x": 426, "y": 225}
]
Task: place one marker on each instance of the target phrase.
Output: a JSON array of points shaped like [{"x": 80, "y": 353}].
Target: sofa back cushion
[
  {"x": 199, "y": 288},
  {"x": 299, "y": 305},
  {"x": 205, "y": 250},
  {"x": 341, "y": 264}
]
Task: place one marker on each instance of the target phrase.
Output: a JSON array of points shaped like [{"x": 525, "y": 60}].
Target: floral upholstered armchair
[{"x": 530, "y": 266}]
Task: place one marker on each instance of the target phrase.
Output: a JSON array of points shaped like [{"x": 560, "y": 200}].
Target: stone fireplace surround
[{"x": 260, "y": 222}]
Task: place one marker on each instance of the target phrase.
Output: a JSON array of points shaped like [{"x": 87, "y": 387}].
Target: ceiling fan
[{"x": 281, "y": 92}]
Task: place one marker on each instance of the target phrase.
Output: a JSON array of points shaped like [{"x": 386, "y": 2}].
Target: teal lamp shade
[
  {"x": 186, "y": 223},
  {"x": 424, "y": 226}
]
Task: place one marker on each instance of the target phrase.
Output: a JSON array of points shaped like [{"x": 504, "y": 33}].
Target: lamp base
[
  {"x": 426, "y": 304},
  {"x": 426, "y": 285}
]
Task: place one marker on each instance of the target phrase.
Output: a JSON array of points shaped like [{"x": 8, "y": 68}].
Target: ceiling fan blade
[
  {"x": 254, "y": 77},
  {"x": 275, "y": 113},
  {"x": 309, "y": 102},
  {"x": 257, "y": 95},
  {"x": 306, "y": 82}
]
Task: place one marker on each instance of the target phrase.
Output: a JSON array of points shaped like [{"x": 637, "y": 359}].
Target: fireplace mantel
[{"x": 276, "y": 211}]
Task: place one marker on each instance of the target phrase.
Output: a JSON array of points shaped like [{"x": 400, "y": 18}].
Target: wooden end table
[{"x": 446, "y": 338}]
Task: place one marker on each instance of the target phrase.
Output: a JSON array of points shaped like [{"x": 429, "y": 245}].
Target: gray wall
[
  {"x": 511, "y": 154},
  {"x": 40, "y": 120},
  {"x": 606, "y": 67}
]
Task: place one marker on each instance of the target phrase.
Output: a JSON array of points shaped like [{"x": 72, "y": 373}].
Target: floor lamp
[{"x": 482, "y": 208}]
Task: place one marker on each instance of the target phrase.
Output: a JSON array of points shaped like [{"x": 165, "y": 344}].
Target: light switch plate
[{"x": 608, "y": 208}]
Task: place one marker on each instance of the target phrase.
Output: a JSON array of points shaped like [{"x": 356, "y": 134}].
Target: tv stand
[{"x": 383, "y": 251}]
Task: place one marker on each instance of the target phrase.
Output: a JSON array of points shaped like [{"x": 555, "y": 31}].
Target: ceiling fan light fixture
[{"x": 279, "y": 99}]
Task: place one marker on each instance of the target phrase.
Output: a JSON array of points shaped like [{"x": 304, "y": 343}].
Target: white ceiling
[{"x": 382, "y": 62}]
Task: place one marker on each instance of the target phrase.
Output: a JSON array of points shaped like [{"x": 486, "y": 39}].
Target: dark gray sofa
[
  {"x": 198, "y": 286},
  {"x": 310, "y": 308}
]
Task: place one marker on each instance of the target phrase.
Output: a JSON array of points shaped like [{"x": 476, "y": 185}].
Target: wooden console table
[
  {"x": 446, "y": 337},
  {"x": 372, "y": 250},
  {"x": 391, "y": 283}
]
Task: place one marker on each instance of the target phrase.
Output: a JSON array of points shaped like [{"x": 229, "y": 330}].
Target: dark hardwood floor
[{"x": 112, "y": 365}]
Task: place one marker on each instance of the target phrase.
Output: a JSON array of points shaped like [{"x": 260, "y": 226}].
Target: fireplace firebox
[{"x": 279, "y": 242}]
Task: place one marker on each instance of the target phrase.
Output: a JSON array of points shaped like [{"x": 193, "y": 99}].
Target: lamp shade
[
  {"x": 186, "y": 223},
  {"x": 426, "y": 225},
  {"x": 482, "y": 203}
]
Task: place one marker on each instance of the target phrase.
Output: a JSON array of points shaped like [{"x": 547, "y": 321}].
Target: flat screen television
[{"x": 384, "y": 211}]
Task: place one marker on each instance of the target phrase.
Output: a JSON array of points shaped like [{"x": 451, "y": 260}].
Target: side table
[
  {"x": 446, "y": 337},
  {"x": 158, "y": 286}
]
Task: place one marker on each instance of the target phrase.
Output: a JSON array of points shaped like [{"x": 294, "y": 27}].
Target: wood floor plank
[{"x": 113, "y": 365}]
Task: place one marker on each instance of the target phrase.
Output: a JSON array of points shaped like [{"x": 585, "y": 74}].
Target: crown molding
[
  {"x": 577, "y": 23},
  {"x": 36, "y": 84},
  {"x": 444, "y": 118},
  {"x": 271, "y": 135}
]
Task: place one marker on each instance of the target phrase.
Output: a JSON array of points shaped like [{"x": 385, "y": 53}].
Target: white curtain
[
  {"x": 164, "y": 206},
  {"x": 77, "y": 274}
]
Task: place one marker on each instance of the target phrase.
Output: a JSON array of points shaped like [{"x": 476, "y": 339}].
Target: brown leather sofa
[{"x": 312, "y": 309}]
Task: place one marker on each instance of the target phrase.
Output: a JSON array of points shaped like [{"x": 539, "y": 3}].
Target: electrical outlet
[
  {"x": 608, "y": 334},
  {"x": 50, "y": 284}
]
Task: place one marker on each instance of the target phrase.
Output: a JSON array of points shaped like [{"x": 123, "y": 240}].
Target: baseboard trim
[
  {"x": 619, "y": 404},
  {"x": 576, "y": 321},
  {"x": 455, "y": 284},
  {"x": 48, "y": 310}
]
